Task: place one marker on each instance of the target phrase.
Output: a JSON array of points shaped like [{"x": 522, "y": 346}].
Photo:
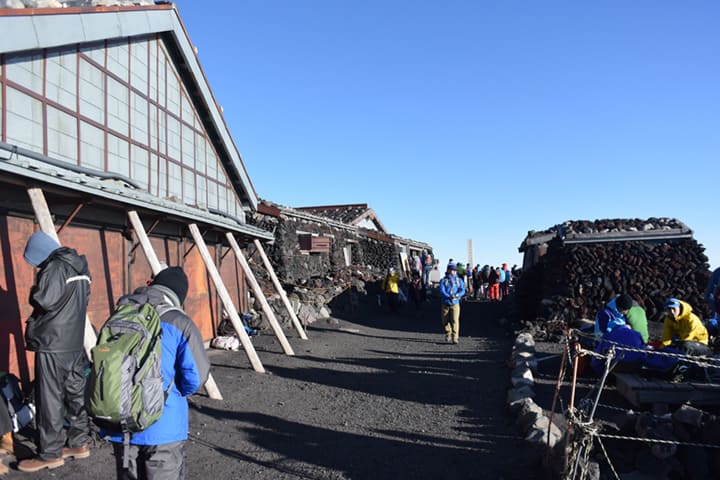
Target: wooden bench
[{"x": 639, "y": 390}]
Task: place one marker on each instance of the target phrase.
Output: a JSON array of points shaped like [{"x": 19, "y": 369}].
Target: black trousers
[
  {"x": 59, "y": 397},
  {"x": 151, "y": 462}
]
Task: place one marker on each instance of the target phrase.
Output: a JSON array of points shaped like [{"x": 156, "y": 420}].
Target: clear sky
[{"x": 471, "y": 119}]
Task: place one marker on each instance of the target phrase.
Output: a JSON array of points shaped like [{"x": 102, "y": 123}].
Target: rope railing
[{"x": 583, "y": 430}]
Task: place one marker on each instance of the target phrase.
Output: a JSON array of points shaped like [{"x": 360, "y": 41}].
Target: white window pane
[
  {"x": 92, "y": 92},
  {"x": 24, "y": 120},
  {"x": 139, "y": 165},
  {"x": 189, "y": 186},
  {"x": 96, "y": 52},
  {"x": 173, "y": 138},
  {"x": 212, "y": 194},
  {"x": 153, "y": 180},
  {"x": 139, "y": 65},
  {"x": 173, "y": 91},
  {"x": 26, "y": 71},
  {"x": 62, "y": 135},
  {"x": 188, "y": 146},
  {"x": 162, "y": 178},
  {"x": 187, "y": 112},
  {"x": 117, "y": 106},
  {"x": 174, "y": 180},
  {"x": 92, "y": 147},
  {"x": 117, "y": 60},
  {"x": 61, "y": 74},
  {"x": 117, "y": 151},
  {"x": 201, "y": 187},
  {"x": 153, "y": 70},
  {"x": 139, "y": 118},
  {"x": 200, "y": 154}
]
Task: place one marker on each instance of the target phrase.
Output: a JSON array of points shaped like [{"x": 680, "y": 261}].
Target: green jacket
[{"x": 637, "y": 320}]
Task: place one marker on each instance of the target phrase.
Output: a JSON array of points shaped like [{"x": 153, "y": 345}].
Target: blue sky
[{"x": 473, "y": 119}]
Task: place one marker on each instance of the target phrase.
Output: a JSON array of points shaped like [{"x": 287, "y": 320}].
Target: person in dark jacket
[
  {"x": 158, "y": 452},
  {"x": 55, "y": 332}
]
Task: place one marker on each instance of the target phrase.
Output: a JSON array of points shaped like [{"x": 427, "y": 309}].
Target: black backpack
[{"x": 21, "y": 409}]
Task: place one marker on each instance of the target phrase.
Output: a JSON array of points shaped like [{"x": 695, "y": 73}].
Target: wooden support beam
[
  {"x": 71, "y": 217},
  {"x": 44, "y": 219},
  {"x": 268, "y": 266},
  {"x": 227, "y": 301},
  {"x": 250, "y": 277},
  {"x": 210, "y": 385}
]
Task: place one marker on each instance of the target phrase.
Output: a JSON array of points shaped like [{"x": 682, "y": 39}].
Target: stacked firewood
[{"x": 574, "y": 280}]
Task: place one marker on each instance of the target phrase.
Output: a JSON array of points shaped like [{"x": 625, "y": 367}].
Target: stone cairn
[{"x": 586, "y": 263}]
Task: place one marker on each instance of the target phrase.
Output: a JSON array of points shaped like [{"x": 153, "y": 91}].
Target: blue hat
[
  {"x": 451, "y": 266},
  {"x": 672, "y": 303},
  {"x": 39, "y": 247}
]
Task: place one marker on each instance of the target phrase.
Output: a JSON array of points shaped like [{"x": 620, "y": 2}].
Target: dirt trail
[{"x": 376, "y": 397}]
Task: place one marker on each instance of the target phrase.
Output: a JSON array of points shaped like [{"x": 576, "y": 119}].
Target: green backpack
[{"x": 126, "y": 386}]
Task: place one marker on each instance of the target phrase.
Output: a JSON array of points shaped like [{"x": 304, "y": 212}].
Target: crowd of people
[{"x": 55, "y": 332}]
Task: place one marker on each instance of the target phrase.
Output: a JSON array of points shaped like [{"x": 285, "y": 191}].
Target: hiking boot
[
  {"x": 448, "y": 338},
  {"x": 4, "y": 469},
  {"x": 455, "y": 341},
  {"x": 37, "y": 464},
  {"x": 77, "y": 452}
]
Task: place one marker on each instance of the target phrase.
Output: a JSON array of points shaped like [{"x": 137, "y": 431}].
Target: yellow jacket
[
  {"x": 686, "y": 327},
  {"x": 391, "y": 283}
]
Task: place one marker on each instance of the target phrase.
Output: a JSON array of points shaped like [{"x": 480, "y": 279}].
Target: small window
[{"x": 313, "y": 244}]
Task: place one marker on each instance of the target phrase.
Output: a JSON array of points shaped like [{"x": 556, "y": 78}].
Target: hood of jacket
[
  {"x": 76, "y": 262},
  {"x": 685, "y": 311}
]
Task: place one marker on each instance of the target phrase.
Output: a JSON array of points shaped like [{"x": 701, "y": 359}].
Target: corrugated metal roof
[
  {"x": 32, "y": 29},
  {"x": 15, "y": 162}
]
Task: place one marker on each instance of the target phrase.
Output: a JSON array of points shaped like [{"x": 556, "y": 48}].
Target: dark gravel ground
[{"x": 376, "y": 396}]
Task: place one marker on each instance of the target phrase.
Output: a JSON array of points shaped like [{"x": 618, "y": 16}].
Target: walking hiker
[
  {"x": 55, "y": 332},
  {"x": 391, "y": 287},
  {"x": 452, "y": 289},
  {"x": 427, "y": 264},
  {"x": 158, "y": 452}
]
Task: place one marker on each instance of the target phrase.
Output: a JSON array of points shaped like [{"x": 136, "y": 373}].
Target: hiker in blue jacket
[
  {"x": 452, "y": 289},
  {"x": 158, "y": 452}
]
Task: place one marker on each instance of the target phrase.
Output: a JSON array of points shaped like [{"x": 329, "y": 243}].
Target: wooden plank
[
  {"x": 42, "y": 213},
  {"x": 280, "y": 290},
  {"x": 226, "y": 300},
  {"x": 250, "y": 277},
  {"x": 210, "y": 386},
  {"x": 639, "y": 390}
]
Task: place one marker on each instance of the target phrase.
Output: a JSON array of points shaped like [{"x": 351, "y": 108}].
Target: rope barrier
[{"x": 581, "y": 425}]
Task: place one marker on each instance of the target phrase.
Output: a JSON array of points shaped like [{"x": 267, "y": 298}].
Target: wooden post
[
  {"x": 210, "y": 386},
  {"x": 42, "y": 214},
  {"x": 225, "y": 297},
  {"x": 280, "y": 290},
  {"x": 259, "y": 294}
]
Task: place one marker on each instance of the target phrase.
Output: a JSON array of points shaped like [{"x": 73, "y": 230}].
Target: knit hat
[
  {"x": 175, "y": 279},
  {"x": 623, "y": 302},
  {"x": 39, "y": 247},
  {"x": 672, "y": 303},
  {"x": 451, "y": 266}
]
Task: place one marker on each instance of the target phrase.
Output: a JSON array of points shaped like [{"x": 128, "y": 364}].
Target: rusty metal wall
[{"x": 115, "y": 269}]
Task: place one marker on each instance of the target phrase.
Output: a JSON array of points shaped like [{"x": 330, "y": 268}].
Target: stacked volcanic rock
[{"x": 573, "y": 281}]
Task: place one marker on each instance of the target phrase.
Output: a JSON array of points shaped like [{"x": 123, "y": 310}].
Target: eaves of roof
[
  {"x": 19, "y": 162},
  {"x": 34, "y": 29}
]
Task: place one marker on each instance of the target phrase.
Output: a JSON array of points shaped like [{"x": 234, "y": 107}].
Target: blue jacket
[
  {"x": 620, "y": 336},
  {"x": 608, "y": 318},
  {"x": 452, "y": 288},
  {"x": 710, "y": 291},
  {"x": 184, "y": 363}
]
